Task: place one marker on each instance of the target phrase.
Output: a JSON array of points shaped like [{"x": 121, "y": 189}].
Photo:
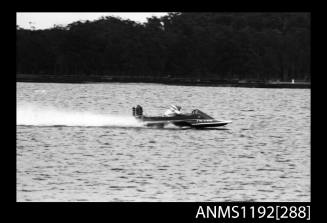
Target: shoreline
[{"x": 158, "y": 80}]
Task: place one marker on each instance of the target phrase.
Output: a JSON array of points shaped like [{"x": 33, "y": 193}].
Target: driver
[{"x": 173, "y": 111}]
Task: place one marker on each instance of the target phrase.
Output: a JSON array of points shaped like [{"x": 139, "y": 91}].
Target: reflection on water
[{"x": 263, "y": 155}]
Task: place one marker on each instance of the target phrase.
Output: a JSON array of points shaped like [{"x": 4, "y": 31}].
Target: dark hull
[
  {"x": 182, "y": 122},
  {"x": 210, "y": 125}
]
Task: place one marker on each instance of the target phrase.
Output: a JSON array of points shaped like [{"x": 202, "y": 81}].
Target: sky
[{"x": 47, "y": 20}]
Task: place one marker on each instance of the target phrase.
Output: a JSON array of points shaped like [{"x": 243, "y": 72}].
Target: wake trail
[{"x": 46, "y": 116}]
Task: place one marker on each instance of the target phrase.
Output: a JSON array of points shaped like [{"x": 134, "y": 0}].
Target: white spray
[{"x": 47, "y": 116}]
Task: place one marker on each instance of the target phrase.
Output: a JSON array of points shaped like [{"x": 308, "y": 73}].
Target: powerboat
[{"x": 195, "y": 119}]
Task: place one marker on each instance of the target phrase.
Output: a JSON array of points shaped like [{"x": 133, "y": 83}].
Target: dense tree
[{"x": 261, "y": 46}]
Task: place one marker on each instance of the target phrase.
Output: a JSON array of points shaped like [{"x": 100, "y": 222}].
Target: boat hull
[
  {"x": 193, "y": 123},
  {"x": 212, "y": 124}
]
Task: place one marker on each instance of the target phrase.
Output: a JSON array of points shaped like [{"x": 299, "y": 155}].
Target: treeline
[{"x": 260, "y": 46}]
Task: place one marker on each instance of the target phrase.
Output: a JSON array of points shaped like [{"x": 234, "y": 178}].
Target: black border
[{"x": 133, "y": 211}]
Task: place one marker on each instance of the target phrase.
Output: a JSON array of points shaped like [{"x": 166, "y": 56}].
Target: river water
[{"x": 79, "y": 142}]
